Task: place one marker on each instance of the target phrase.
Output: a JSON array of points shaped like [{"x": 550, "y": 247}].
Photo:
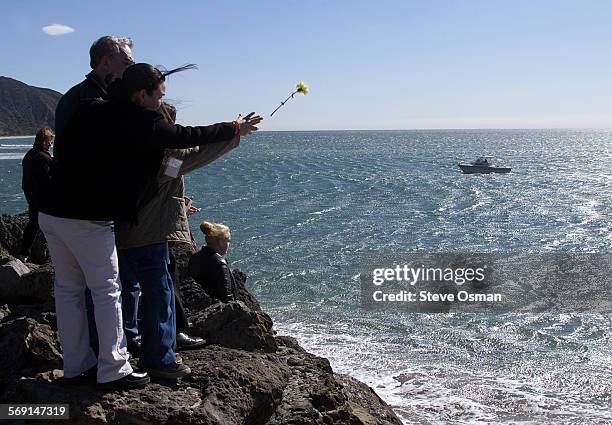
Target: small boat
[{"x": 482, "y": 165}]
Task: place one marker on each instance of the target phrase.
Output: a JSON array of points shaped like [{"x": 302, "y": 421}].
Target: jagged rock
[
  {"x": 11, "y": 232},
  {"x": 42, "y": 313},
  {"x": 315, "y": 395},
  {"x": 226, "y": 387},
  {"x": 194, "y": 297},
  {"x": 38, "y": 284},
  {"x": 11, "y": 271},
  {"x": 234, "y": 325},
  {"x": 289, "y": 342},
  {"x": 20, "y": 284},
  {"x": 243, "y": 293},
  {"x": 365, "y": 404},
  {"x": 27, "y": 345}
]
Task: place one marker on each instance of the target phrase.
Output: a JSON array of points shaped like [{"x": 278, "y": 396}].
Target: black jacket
[
  {"x": 88, "y": 90},
  {"x": 36, "y": 166},
  {"x": 212, "y": 272},
  {"x": 109, "y": 155}
]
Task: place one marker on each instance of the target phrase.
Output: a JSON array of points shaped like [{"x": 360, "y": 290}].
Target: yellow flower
[{"x": 302, "y": 88}]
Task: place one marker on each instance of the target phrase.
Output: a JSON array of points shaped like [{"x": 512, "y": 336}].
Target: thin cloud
[{"x": 57, "y": 29}]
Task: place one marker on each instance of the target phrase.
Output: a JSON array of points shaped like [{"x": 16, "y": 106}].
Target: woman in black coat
[{"x": 209, "y": 267}]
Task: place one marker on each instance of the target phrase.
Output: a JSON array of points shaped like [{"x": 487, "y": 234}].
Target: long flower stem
[{"x": 282, "y": 103}]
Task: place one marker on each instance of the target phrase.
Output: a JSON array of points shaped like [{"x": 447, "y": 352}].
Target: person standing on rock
[
  {"x": 162, "y": 220},
  {"x": 210, "y": 268},
  {"x": 36, "y": 166},
  {"x": 93, "y": 187},
  {"x": 109, "y": 56}
]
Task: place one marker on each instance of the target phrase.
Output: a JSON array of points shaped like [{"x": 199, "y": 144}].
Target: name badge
[{"x": 173, "y": 166}]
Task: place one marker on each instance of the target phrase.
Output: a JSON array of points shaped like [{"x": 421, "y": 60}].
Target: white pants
[{"x": 84, "y": 253}]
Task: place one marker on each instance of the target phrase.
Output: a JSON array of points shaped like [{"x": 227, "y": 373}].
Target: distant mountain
[{"x": 24, "y": 109}]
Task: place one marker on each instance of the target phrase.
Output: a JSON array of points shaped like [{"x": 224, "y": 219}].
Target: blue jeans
[
  {"x": 130, "y": 295},
  {"x": 148, "y": 265}
]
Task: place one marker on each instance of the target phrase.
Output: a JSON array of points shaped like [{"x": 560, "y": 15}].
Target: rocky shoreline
[{"x": 246, "y": 375}]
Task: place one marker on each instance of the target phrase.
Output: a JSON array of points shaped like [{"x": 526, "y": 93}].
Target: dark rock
[
  {"x": 26, "y": 347},
  {"x": 243, "y": 293},
  {"x": 234, "y": 325},
  {"x": 42, "y": 313},
  {"x": 11, "y": 271},
  {"x": 226, "y": 387},
  {"x": 365, "y": 403},
  {"x": 289, "y": 342},
  {"x": 38, "y": 284},
  {"x": 314, "y": 395},
  {"x": 11, "y": 232},
  {"x": 22, "y": 284},
  {"x": 182, "y": 253},
  {"x": 27, "y": 344},
  {"x": 194, "y": 297}
]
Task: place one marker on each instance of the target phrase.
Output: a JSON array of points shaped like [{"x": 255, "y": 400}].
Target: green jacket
[{"x": 164, "y": 217}]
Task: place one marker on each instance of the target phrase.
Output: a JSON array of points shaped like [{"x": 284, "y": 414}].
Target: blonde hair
[
  {"x": 214, "y": 230},
  {"x": 43, "y": 135}
]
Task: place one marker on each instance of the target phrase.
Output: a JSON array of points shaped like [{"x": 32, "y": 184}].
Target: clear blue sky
[{"x": 369, "y": 64}]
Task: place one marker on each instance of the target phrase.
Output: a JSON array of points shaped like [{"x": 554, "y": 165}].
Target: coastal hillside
[{"x": 24, "y": 109}]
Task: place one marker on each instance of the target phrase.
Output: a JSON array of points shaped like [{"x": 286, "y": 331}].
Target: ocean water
[{"x": 304, "y": 207}]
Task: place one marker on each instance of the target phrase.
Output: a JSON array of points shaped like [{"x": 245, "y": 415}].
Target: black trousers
[
  {"x": 30, "y": 232},
  {"x": 181, "y": 317}
]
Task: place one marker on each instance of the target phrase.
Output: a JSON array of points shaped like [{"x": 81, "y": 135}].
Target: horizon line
[{"x": 400, "y": 129}]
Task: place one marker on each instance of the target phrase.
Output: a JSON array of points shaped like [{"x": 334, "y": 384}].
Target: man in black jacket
[
  {"x": 108, "y": 57},
  {"x": 36, "y": 166}
]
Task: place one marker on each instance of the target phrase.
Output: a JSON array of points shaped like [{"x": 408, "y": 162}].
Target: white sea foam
[
  {"x": 12, "y": 155},
  {"x": 324, "y": 211}
]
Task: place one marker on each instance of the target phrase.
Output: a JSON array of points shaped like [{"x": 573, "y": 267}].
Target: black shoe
[
  {"x": 88, "y": 376},
  {"x": 134, "y": 345},
  {"x": 186, "y": 342},
  {"x": 133, "y": 380},
  {"x": 139, "y": 365},
  {"x": 171, "y": 371}
]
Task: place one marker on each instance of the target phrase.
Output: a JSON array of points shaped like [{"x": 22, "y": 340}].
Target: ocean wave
[{"x": 12, "y": 155}]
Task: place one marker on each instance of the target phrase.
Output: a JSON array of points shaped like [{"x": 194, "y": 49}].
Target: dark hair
[
  {"x": 144, "y": 76},
  {"x": 42, "y": 135},
  {"x": 106, "y": 46}
]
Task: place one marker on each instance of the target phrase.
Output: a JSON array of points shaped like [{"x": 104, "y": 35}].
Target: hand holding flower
[{"x": 247, "y": 124}]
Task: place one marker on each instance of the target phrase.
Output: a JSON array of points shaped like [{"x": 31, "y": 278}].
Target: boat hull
[{"x": 483, "y": 169}]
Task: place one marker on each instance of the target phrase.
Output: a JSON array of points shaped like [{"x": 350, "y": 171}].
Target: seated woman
[{"x": 209, "y": 267}]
